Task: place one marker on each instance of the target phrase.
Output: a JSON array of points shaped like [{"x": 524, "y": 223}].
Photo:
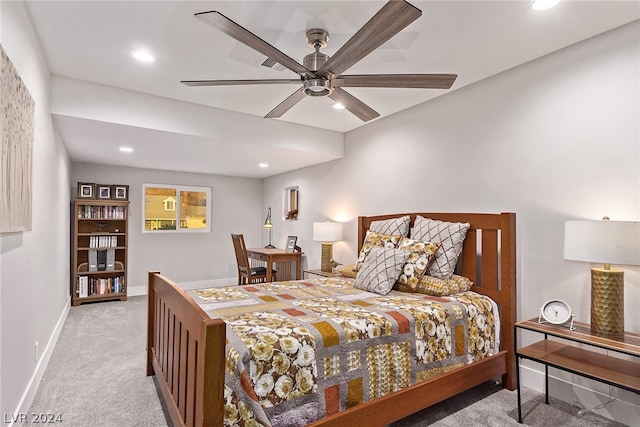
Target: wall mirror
[{"x": 291, "y": 203}]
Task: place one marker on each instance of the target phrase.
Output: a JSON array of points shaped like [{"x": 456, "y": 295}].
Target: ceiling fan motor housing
[{"x": 321, "y": 85}]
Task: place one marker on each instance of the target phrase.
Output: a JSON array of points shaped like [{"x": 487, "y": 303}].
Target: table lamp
[
  {"x": 607, "y": 242},
  {"x": 327, "y": 232},
  {"x": 269, "y": 224}
]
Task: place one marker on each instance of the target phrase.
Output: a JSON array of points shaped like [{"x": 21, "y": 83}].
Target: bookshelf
[{"x": 99, "y": 250}]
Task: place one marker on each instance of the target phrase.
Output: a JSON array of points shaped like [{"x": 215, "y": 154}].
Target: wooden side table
[{"x": 563, "y": 354}]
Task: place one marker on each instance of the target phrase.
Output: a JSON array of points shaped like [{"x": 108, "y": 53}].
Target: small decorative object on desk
[
  {"x": 291, "y": 243},
  {"x": 556, "y": 312}
]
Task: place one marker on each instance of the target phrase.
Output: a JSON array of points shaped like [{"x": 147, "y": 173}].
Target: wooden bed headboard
[{"x": 487, "y": 258}]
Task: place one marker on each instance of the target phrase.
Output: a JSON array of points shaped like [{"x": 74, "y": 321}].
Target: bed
[{"x": 186, "y": 347}]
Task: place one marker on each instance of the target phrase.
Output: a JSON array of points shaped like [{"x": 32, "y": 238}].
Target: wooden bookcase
[{"x": 99, "y": 250}]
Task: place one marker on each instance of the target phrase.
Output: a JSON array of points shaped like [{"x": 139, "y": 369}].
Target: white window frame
[{"x": 178, "y": 189}]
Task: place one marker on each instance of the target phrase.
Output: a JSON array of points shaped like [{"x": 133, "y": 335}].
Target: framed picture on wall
[
  {"x": 291, "y": 243},
  {"x": 120, "y": 192},
  {"x": 86, "y": 190},
  {"x": 103, "y": 191}
]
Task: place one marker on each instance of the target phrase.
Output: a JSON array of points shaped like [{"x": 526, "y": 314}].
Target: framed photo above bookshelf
[
  {"x": 90, "y": 190},
  {"x": 86, "y": 190}
]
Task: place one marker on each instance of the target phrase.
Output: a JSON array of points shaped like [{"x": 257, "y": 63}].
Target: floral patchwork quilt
[{"x": 298, "y": 351}]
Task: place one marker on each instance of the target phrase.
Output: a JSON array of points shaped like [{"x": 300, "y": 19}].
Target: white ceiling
[{"x": 91, "y": 41}]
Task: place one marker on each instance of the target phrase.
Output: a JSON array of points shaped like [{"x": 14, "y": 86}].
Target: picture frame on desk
[
  {"x": 291, "y": 243},
  {"x": 120, "y": 192},
  {"x": 103, "y": 191},
  {"x": 86, "y": 190}
]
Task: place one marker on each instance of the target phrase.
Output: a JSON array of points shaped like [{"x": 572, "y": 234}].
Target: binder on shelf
[
  {"x": 93, "y": 260},
  {"x": 111, "y": 259},
  {"x": 102, "y": 259}
]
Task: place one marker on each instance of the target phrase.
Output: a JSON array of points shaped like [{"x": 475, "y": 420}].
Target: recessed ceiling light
[
  {"x": 126, "y": 149},
  {"x": 543, "y": 4},
  {"x": 263, "y": 165},
  {"x": 143, "y": 55},
  {"x": 338, "y": 106}
]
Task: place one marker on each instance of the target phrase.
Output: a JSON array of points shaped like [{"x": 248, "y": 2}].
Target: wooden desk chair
[{"x": 246, "y": 273}]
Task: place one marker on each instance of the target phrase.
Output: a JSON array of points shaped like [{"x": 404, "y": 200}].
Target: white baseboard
[
  {"x": 32, "y": 387},
  {"x": 572, "y": 388},
  {"x": 197, "y": 284}
]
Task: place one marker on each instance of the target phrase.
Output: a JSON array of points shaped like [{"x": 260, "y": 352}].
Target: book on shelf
[
  {"x": 103, "y": 241},
  {"x": 87, "y": 286}
]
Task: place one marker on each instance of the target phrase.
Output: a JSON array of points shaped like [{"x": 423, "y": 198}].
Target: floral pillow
[
  {"x": 450, "y": 234},
  {"x": 381, "y": 270},
  {"x": 375, "y": 240},
  {"x": 421, "y": 254},
  {"x": 438, "y": 287},
  {"x": 392, "y": 226}
]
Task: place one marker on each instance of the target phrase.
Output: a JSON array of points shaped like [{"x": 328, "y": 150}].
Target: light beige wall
[
  {"x": 34, "y": 265},
  {"x": 552, "y": 140}
]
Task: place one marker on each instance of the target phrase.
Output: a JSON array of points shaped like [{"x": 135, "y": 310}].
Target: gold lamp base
[
  {"x": 327, "y": 263},
  {"x": 607, "y": 301}
]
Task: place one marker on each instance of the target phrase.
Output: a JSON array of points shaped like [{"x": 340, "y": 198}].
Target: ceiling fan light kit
[{"x": 320, "y": 74}]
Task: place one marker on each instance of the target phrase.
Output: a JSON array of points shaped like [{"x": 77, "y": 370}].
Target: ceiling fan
[{"x": 321, "y": 75}]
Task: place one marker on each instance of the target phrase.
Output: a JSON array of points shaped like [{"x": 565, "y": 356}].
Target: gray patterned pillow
[
  {"x": 450, "y": 234},
  {"x": 395, "y": 226},
  {"x": 381, "y": 270},
  {"x": 372, "y": 240}
]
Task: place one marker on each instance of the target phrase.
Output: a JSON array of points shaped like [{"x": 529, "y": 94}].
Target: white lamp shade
[
  {"x": 606, "y": 242},
  {"x": 327, "y": 231}
]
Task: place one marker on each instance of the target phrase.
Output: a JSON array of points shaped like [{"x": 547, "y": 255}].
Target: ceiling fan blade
[
  {"x": 239, "y": 82},
  {"x": 246, "y": 37},
  {"x": 286, "y": 105},
  {"x": 353, "y": 105},
  {"x": 390, "y": 20},
  {"x": 422, "y": 81}
]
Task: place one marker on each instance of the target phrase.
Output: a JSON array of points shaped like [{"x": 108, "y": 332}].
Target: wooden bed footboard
[{"x": 186, "y": 348}]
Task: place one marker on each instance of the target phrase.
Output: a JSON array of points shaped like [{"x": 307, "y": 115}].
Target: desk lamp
[
  {"x": 327, "y": 232},
  {"x": 269, "y": 224},
  {"x": 607, "y": 242}
]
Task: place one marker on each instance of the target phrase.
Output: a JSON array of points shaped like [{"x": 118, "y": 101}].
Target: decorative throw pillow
[
  {"x": 347, "y": 271},
  {"x": 381, "y": 270},
  {"x": 421, "y": 254},
  {"x": 375, "y": 240},
  {"x": 392, "y": 226},
  {"x": 450, "y": 235},
  {"x": 442, "y": 287}
]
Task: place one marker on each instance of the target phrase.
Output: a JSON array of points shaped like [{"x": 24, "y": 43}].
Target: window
[{"x": 173, "y": 208}]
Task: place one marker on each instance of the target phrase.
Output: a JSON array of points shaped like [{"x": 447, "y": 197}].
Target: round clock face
[{"x": 556, "y": 311}]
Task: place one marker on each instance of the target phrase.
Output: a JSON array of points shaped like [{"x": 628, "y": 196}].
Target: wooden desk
[{"x": 281, "y": 258}]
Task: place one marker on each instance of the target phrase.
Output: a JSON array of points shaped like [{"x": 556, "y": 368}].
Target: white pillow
[
  {"x": 395, "y": 226},
  {"x": 451, "y": 236},
  {"x": 381, "y": 270}
]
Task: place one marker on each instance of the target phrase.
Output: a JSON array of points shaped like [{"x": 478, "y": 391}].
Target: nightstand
[
  {"x": 310, "y": 274},
  {"x": 564, "y": 354}
]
